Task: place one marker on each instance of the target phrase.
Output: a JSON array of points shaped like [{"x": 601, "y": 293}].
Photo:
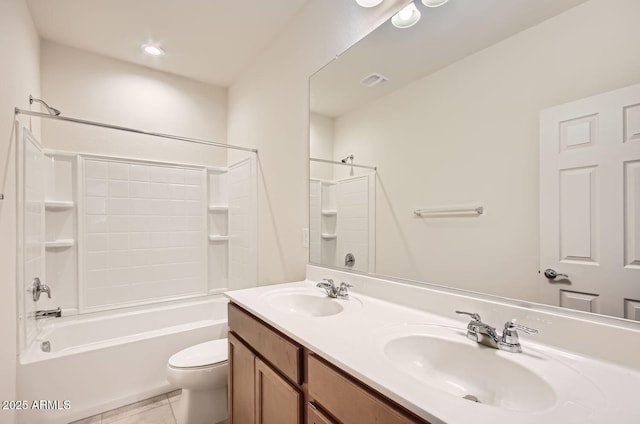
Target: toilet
[{"x": 201, "y": 372}]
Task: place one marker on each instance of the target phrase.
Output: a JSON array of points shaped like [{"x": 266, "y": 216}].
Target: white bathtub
[{"x": 102, "y": 361}]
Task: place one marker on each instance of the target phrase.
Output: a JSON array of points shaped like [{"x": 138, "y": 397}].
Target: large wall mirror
[{"x": 485, "y": 144}]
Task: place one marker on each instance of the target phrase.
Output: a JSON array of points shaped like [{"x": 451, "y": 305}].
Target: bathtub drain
[{"x": 45, "y": 346}]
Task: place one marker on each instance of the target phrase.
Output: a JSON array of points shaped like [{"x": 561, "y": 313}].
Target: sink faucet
[
  {"x": 336, "y": 292},
  {"x": 487, "y": 335},
  {"x": 49, "y": 313}
]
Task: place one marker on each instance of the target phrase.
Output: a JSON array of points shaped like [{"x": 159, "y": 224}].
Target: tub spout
[{"x": 49, "y": 313}]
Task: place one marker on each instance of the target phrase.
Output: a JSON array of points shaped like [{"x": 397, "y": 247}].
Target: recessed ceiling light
[
  {"x": 434, "y": 3},
  {"x": 368, "y": 3},
  {"x": 152, "y": 49},
  {"x": 407, "y": 17}
]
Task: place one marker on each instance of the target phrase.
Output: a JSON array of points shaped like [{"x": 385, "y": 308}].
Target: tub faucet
[
  {"x": 336, "y": 292},
  {"x": 49, "y": 313},
  {"x": 38, "y": 287},
  {"x": 487, "y": 335}
]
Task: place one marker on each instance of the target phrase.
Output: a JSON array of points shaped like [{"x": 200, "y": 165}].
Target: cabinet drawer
[
  {"x": 348, "y": 401},
  {"x": 277, "y": 349}
]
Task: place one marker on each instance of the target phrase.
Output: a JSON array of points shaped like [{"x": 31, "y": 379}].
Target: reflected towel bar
[{"x": 451, "y": 210}]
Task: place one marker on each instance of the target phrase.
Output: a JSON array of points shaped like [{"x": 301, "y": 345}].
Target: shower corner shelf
[
  {"x": 218, "y": 208},
  {"x": 329, "y": 236},
  {"x": 329, "y": 212},
  {"x": 58, "y": 204},
  {"x": 215, "y": 237},
  {"x": 59, "y": 243}
]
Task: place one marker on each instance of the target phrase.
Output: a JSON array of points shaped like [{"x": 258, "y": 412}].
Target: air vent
[{"x": 373, "y": 79}]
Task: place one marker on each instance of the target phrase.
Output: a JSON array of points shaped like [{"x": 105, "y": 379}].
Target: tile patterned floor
[{"x": 157, "y": 410}]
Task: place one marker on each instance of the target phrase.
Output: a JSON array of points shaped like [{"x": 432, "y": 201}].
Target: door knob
[{"x": 551, "y": 274}]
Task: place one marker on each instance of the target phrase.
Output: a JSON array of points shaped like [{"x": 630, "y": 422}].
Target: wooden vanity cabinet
[
  {"x": 273, "y": 380},
  {"x": 264, "y": 373}
]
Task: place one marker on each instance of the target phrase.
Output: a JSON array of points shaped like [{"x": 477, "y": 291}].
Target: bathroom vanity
[
  {"x": 272, "y": 378},
  {"x": 398, "y": 353}
]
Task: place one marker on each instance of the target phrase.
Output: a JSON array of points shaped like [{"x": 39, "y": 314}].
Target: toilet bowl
[{"x": 201, "y": 372}]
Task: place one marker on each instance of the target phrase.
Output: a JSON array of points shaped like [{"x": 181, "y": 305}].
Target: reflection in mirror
[
  {"x": 342, "y": 201},
  {"x": 466, "y": 103}
]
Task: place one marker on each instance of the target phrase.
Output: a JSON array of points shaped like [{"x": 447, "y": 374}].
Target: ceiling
[
  {"x": 443, "y": 36},
  {"x": 212, "y": 41}
]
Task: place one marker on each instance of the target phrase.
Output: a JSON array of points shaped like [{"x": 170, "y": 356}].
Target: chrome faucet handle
[
  {"x": 37, "y": 287},
  {"x": 328, "y": 285},
  {"x": 473, "y": 315},
  {"x": 472, "y": 327},
  {"x": 510, "y": 340},
  {"x": 343, "y": 290},
  {"x": 512, "y": 325}
]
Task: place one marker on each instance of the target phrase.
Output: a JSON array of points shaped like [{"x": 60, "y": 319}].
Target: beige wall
[
  {"x": 97, "y": 88},
  {"x": 269, "y": 110},
  {"x": 19, "y": 77},
  {"x": 469, "y": 133}
]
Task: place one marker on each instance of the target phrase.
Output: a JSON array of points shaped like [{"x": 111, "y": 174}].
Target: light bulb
[
  {"x": 152, "y": 49},
  {"x": 407, "y": 17},
  {"x": 434, "y": 3},
  {"x": 368, "y": 3}
]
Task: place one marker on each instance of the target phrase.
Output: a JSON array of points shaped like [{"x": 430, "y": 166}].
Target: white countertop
[{"x": 353, "y": 340}]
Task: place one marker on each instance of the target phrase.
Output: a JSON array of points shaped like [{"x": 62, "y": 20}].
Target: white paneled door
[{"x": 590, "y": 204}]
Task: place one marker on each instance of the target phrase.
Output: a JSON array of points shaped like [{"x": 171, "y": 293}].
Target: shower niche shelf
[
  {"x": 218, "y": 208},
  {"x": 215, "y": 237},
  {"x": 62, "y": 243},
  {"x": 218, "y": 228},
  {"x": 58, "y": 205}
]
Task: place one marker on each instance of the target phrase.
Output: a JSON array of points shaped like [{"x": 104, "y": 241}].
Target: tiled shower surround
[
  {"x": 342, "y": 219},
  {"x": 119, "y": 232},
  {"x": 143, "y": 229}
]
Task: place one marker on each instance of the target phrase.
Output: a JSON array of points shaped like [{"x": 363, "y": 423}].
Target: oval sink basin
[
  {"x": 475, "y": 373},
  {"x": 308, "y": 302},
  {"x": 443, "y": 358}
]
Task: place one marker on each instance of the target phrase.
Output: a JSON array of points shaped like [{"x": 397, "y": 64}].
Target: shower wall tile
[
  {"x": 144, "y": 232},
  {"x": 242, "y": 268},
  {"x": 352, "y": 199}
]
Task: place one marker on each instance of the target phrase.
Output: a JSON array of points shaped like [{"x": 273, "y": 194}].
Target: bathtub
[{"x": 97, "y": 362}]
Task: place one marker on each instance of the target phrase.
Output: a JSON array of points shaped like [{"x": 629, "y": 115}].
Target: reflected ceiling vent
[{"x": 373, "y": 79}]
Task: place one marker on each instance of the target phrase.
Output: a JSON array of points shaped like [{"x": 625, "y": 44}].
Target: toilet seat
[{"x": 201, "y": 355}]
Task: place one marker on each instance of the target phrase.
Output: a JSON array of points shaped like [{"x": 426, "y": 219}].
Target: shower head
[
  {"x": 347, "y": 158},
  {"x": 51, "y": 110}
]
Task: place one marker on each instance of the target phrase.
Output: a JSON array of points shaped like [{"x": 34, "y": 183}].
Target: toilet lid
[{"x": 200, "y": 355}]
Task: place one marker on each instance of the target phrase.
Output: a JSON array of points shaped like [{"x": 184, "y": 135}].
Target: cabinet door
[
  {"x": 277, "y": 401},
  {"x": 314, "y": 416},
  {"x": 241, "y": 382}
]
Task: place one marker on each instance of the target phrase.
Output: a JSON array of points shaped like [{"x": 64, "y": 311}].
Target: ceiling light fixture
[
  {"x": 368, "y": 3},
  {"x": 434, "y": 3},
  {"x": 152, "y": 49},
  {"x": 407, "y": 17}
]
